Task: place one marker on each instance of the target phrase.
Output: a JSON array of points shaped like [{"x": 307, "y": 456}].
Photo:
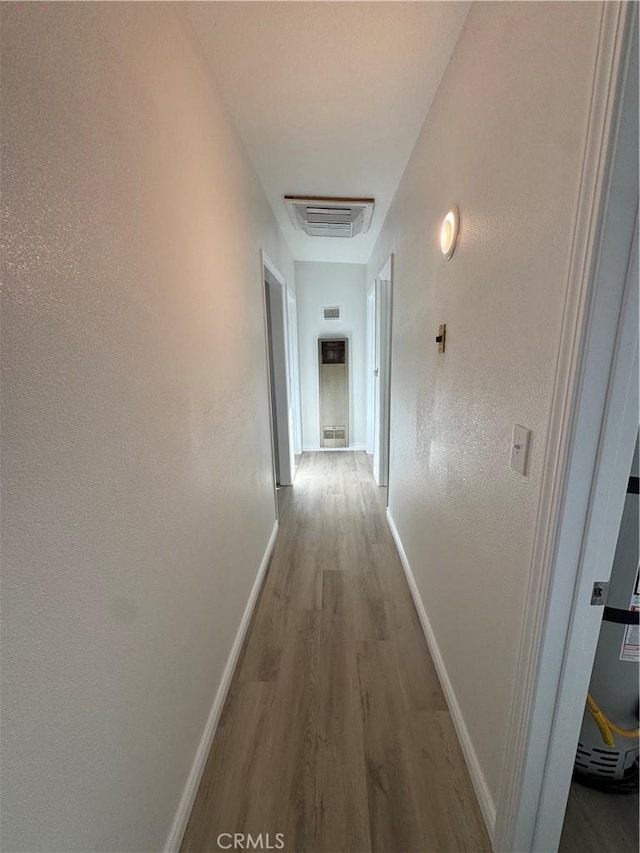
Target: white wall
[
  {"x": 504, "y": 139},
  {"x": 137, "y": 478},
  {"x": 318, "y": 285}
]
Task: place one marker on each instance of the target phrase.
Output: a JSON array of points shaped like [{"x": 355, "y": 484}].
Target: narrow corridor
[{"x": 335, "y": 732}]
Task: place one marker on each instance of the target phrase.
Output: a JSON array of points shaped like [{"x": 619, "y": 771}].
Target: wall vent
[
  {"x": 331, "y": 312},
  {"x": 330, "y": 217},
  {"x": 334, "y": 436}
]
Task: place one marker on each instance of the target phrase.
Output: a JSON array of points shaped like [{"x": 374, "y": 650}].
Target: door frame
[
  {"x": 294, "y": 378},
  {"x": 382, "y": 388},
  {"x": 281, "y": 389},
  {"x": 347, "y": 352},
  {"x": 371, "y": 363},
  {"x": 591, "y": 436}
]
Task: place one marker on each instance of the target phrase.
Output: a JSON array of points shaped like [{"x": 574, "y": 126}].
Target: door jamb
[
  {"x": 294, "y": 367},
  {"x": 371, "y": 364},
  {"x": 384, "y": 324},
  {"x": 267, "y": 263}
]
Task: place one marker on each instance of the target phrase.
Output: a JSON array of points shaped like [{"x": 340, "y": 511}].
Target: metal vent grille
[
  {"x": 331, "y": 313},
  {"x": 606, "y": 762},
  {"x": 330, "y": 217},
  {"x": 334, "y": 436}
]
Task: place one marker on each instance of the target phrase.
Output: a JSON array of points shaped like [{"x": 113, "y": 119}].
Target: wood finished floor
[
  {"x": 596, "y": 822},
  {"x": 335, "y": 731}
]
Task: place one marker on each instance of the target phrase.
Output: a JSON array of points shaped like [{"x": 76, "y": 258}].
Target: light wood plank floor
[{"x": 335, "y": 731}]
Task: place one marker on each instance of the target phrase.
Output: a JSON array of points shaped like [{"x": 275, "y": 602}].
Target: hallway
[
  {"x": 335, "y": 732},
  {"x": 402, "y": 228}
]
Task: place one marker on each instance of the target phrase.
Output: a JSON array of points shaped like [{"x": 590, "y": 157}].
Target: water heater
[{"x": 607, "y": 754}]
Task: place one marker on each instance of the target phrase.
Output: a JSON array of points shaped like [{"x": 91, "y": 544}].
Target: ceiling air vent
[
  {"x": 331, "y": 312},
  {"x": 330, "y": 217}
]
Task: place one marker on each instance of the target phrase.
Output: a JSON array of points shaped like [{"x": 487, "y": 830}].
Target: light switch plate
[{"x": 520, "y": 449}]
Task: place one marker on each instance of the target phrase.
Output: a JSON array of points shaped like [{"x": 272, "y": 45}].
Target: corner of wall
[
  {"x": 480, "y": 786},
  {"x": 181, "y": 818}
]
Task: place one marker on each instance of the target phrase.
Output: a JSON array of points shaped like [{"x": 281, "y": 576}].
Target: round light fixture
[{"x": 449, "y": 232}]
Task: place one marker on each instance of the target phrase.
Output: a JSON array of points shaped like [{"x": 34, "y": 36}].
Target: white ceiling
[{"x": 329, "y": 97}]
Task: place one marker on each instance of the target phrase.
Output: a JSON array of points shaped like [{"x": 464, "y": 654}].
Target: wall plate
[{"x": 520, "y": 449}]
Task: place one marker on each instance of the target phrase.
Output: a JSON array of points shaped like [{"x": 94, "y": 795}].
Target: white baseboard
[
  {"x": 174, "y": 839},
  {"x": 485, "y": 800},
  {"x": 315, "y": 448}
]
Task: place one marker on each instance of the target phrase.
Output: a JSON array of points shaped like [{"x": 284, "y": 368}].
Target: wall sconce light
[{"x": 449, "y": 231}]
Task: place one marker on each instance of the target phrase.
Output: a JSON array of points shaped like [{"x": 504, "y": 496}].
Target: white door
[
  {"x": 371, "y": 364},
  {"x": 278, "y": 336},
  {"x": 382, "y": 375},
  {"x": 295, "y": 410}
]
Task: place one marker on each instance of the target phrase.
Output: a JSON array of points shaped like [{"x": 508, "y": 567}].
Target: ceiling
[{"x": 328, "y": 97}]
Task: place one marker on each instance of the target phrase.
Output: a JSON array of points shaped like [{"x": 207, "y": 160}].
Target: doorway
[
  {"x": 294, "y": 375},
  {"x": 379, "y": 324},
  {"x": 281, "y": 357},
  {"x": 333, "y": 384},
  {"x": 592, "y": 433},
  {"x": 602, "y": 810}
]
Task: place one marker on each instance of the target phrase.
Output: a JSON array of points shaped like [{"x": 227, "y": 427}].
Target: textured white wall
[
  {"x": 332, "y": 284},
  {"x": 504, "y": 139},
  {"x": 136, "y": 487}
]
